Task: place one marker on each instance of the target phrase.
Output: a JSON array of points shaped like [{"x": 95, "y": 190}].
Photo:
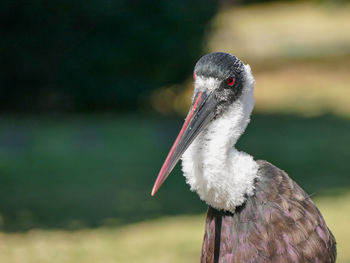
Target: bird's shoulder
[
  {"x": 279, "y": 223},
  {"x": 290, "y": 218}
]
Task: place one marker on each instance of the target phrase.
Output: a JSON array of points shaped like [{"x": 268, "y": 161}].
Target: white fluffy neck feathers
[{"x": 221, "y": 175}]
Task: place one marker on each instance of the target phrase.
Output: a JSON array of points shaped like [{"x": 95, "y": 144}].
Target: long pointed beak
[{"x": 201, "y": 113}]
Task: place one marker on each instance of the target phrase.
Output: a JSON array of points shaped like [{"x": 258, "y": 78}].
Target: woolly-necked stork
[{"x": 256, "y": 212}]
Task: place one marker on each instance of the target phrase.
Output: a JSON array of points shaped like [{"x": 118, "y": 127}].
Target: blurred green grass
[
  {"x": 91, "y": 171},
  {"x": 96, "y": 172},
  {"x": 83, "y": 171},
  {"x": 168, "y": 239}
]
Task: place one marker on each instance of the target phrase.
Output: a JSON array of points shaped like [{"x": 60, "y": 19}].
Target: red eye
[
  {"x": 194, "y": 76},
  {"x": 230, "y": 81}
]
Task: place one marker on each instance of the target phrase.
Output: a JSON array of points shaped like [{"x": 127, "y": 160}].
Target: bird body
[
  {"x": 279, "y": 223},
  {"x": 256, "y": 212}
]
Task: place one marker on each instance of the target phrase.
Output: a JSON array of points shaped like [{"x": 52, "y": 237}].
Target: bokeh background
[{"x": 93, "y": 93}]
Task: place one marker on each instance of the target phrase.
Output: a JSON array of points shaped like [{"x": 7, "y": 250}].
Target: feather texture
[
  {"x": 221, "y": 175},
  {"x": 279, "y": 223}
]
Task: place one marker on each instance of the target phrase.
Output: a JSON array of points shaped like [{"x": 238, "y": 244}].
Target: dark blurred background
[
  {"x": 93, "y": 93},
  {"x": 71, "y": 56}
]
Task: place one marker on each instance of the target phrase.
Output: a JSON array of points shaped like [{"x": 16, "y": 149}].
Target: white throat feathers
[{"x": 221, "y": 175}]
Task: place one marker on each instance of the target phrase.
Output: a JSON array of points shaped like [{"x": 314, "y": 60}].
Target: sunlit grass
[
  {"x": 304, "y": 88},
  {"x": 299, "y": 54},
  {"x": 282, "y": 30},
  {"x": 175, "y": 239},
  {"x": 336, "y": 211}
]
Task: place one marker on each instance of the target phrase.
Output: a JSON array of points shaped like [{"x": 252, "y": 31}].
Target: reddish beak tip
[
  {"x": 183, "y": 139},
  {"x": 153, "y": 192},
  {"x": 156, "y": 186}
]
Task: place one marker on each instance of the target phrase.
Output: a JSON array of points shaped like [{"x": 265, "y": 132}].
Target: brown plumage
[{"x": 279, "y": 223}]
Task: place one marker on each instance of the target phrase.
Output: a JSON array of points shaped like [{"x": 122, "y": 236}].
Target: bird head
[{"x": 218, "y": 83}]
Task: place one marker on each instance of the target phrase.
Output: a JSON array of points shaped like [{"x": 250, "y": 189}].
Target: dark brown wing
[{"x": 280, "y": 223}]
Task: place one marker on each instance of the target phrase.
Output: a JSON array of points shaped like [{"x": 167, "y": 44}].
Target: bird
[{"x": 256, "y": 212}]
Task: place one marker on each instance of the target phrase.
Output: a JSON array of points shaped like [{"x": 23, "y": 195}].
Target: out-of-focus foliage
[
  {"x": 79, "y": 55},
  {"x": 299, "y": 54},
  {"x": 279, "y": 31}
]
